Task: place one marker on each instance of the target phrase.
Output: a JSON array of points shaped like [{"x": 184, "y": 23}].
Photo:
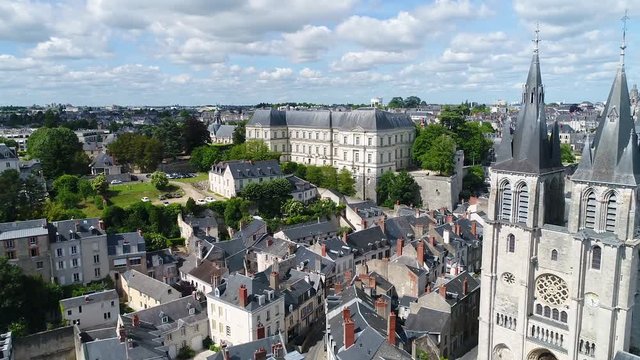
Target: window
[
  {"x": 389, "y": 142},
  {"x": 106, "y": 315},
  {"x": 76, "y": 277},
  {"x": 9, "y": 244},
  {"x": 523, "y": 203},
  {"x": 69, "y": 312},
  {"x": 369, "y": 141},
  {"x": 547, "y": 311},
  {"x": 590, "y": 211},
  {"x": 80, "y": 309},
  {"x": 74, "y": 250},
  {"x": 74, "y": 263},
  {"x": 612, "y": 207},
  {"x": 268, "y": 315},
  {"x": 357, "y": 140},
  {"x": 317, "y": 136},
  {"x": 505, "y": 201},
  {"x": 96, "y": 272},
  {"x": 11, "y": 255},
  {"x": 34, "y": 252},
  {"x": 59, "y": 252},
  {"x": 183, "y": 331},
  {"x": 554, "y": 255},
  {"x": 60, "y": 265},
  {"x": 555, "y": 314},
  {"x": 563, "y": 316},
  {"x": 33, "y": 241},
  {"x": 395, "y": 139},
  {"x": 344, "y": 155},
  {"x": 96, "y": 259},
  {"x": 511, "y": 243},
  {"x": 356, "y": 156},
  {"x": 137, "y": 261},
  {"x": 39, "y": 265},
  {"x": 538, "y": 309},
  {"x": 369, "y": 158},
  {"x": 344, "y": 140},
  {"x": 228, "y": 331},
  {"x": 596, "y": 255},
  {"x": 401, "y": 138}
]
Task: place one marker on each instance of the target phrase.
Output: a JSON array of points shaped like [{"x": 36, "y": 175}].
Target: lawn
[
  {"x": 203, "y": 176},
  {"x": 124, "y": 195}
]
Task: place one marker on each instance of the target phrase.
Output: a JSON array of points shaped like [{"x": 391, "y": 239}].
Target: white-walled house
[
  {"x": 8, "y": 159},
  {"x": 86, "y": 311},
  {"x": 230, "y": 177}
]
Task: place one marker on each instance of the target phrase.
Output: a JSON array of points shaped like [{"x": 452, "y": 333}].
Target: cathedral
[{"x": 555, "y": 286}]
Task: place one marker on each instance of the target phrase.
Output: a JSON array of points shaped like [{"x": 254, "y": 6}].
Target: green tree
[
  {"x": 255, "y": 150},
  {"x": 159, "y": 180},
  {"x": 203, "y": 157},
  {"x": 566, "y": 154},
  {"x": 195, "y": 134},
  {"x": 269, "y": 196},
  {"x": 169, "y": 133},
  {"x": 239, "y": 133},
  {"x": 453, "y": 117},
  {"x": 137, "y": 150},
  {"x": 292, "y": 208},
  {"x": 470, "y": 139},
  {"x": 330, "y": 177},
  {"x": 289, "y": 167},
  {"x": 400, "y": 188},
  {"x": 412, "y": 102},
  {"x": 100, "y": 185},
  {"x": 474, "y": 180},
  {"x": 346, "y": 183},
  {"x": 440, "y": 156},
  {"x": 9, "y": 142},
  {"x": 155, "y": 241},
  {"x": 395, "y": 103},
  {"x": 315, "y": 175},
  {"x": 426, "y": 137},
  {"x": 31, "y": 198},
  {"x": 51, "y": 119},
  {"x": 59, "y": 152},
  {"x": 235, "y": 210},
  {"x": 20, "y": 199}
]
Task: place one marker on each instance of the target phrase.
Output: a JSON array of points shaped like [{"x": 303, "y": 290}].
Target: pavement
[
  {"x": 203, "y": 355},
  {"x": 317, "y": 351},
  {"x": 471, "y": 355}
]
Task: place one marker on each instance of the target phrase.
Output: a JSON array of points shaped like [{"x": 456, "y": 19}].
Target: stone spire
[
  {"x": 614, "y": 151},
  {"x": 530, "y": 150}
]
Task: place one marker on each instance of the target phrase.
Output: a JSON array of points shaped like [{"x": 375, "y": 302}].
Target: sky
[{"x": 197, "y": 52}]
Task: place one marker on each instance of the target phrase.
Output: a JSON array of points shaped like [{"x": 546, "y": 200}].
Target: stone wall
[
  {"x": 440, "y": 191},
  {"x": 56, "y": 344}
]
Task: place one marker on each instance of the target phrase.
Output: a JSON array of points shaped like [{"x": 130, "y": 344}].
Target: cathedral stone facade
[
  {"x": 366, "y": 141},
  {"x": 556, "y": 288}
]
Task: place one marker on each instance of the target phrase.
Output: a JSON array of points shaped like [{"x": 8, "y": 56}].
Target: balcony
[
  {"x": 506, "y": 321},
  {"x": 546, "y": 333}
]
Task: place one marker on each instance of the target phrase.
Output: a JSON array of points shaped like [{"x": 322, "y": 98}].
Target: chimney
[
  {"x": 215, "y": 280},
  {"x": 372, "y": 284},
  {"x": 445, "y": 236},
  {"x": 443, "y": 291},
  {"x": 344, "y": 237},
  {"x": 417, "y": 212},
  {"x": 348, "y": 276},
  {"x": 337, "y": 288},
  {"x": 243, "y": 296},
  {"x": 260, "y": 354},
  {"x": 465, "y": 286},
  {"x": 274, "y": 281},
  {"x": 324, "y": 250},
  {"x": 449, "y": 219},
  {"x": 381, "y": 224},
  {"x": 474, "y": 228},
  {"x": 277, "y": 350},
  {"x": 194, "y": 294},
  {"x": 381, "y": 307},
  {"x": 473, "y": 200},
  {"x": 364, "y": 224},
  {"x": 122, "y": 334},
  {"x": 391, "y": 329},
  {"x": 225, "y": 354},
  {"x": 346, "y": 313},
  {"x": 349, "y": 333},
  {"x": 140, "y": 232},
  {"x": 77, "y": 226},
  {"x": 269, "y": 242},
  {"x": 102, "y": 225},
  {"x": 399, "y": 246},
  {"x": 420, "y": 253},
  {"x": 458, "y": 230},
  {"x": 432, "y": 240},
  {"x": 428, "y": 289},
  {"x": 136, "y": 319},
  {"x": 260, "y": 331}
]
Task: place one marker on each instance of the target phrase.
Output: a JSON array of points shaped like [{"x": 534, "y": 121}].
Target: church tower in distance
[{"x": 554, "y": 288}]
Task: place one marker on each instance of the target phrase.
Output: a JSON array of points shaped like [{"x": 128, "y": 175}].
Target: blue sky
[{"x": 192, "y": 52}]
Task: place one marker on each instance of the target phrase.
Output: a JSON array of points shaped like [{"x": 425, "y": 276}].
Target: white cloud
[
  {"x": 309, "y": 74},
  {"x": 364, "y": 60},
  {"x": 308, "y": 43},
  {"x": 276, "y": 74}
]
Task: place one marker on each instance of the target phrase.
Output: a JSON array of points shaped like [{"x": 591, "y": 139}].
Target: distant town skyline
[{"x": 94, "y": 52}]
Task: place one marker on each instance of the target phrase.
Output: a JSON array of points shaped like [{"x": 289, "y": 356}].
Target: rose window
[
  {"x": 508, "y": 278},
  {"x": 551, "y": 289}
]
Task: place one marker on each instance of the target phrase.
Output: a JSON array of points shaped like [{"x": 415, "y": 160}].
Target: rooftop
[
  {"x": 106, "y": 295},
  {"x": 155, "y": 289}
]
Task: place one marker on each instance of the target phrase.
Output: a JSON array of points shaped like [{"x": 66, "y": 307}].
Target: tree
[
  {"x": 100, "y": 185},
  {"x": 453, "y": 117},
  {"x": 474, "y": 180},
  {"x": 20, "y": 199},
  {"x": 395, "y": 103},
  {"x": 470, "y": 138},
  {"x": 289, "y": 167},
  {"x": 426, "y": 137},
  {"x": 412, "y": 102},
  {"x": 159, "y": 180},
  {"x": 400, "y": 188},
  {"x": 136, "y": 150},
  {"x": 292, "y": 208},
  {"x": 195, "y": 134},
  {"x": 169, "y": 133},
  {"x": 255, "y": 150},
  {"x": 239, "y": 133},
  {"x": 315, "y": 175},
  {"x": 235, "y": 210},
  {"x": 566, "y": 154},
  {"x": 203, "y": 157},
  {"x": 59, "y": 152},
  {"x": 440, "y": 156},
  {"x": 51, "y": 119},
  {"x": 269, "y": 196},
  {"x": 9, "y": 142},
  {"x": 155, "y": 241},
  {"x": 346, "y": 183}
]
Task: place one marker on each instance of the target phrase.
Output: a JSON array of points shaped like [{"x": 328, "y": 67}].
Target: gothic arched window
[
  {"x": 596, "y": 257},
  {"x": 547, "y": 312},
  {"x": 612, "y": 207},
  {"x": 554, "y": 255},
  {"x": 555, "y": 314},
  {"x": 505, "y": 201},
  {"x": 523, "y": 203},
  {"x": 538, "y": 309},
  {"x": 589, "y": 220},
  {"x": 563, "y": 316},
  {"x": 511, "y": 243}
]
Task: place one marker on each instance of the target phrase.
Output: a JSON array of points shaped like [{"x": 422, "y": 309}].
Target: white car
[
  {"x": 166, "y": 203},
  {"x": 201, "y": 202},
  {"x": 115, "y": 182},
  {"x": 145, "y": 199},
  {"x": 209, "y": 199}
]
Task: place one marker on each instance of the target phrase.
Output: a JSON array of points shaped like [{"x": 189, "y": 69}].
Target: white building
[
  {"x": 245, "y": 309},
  {"x": 87, "y": 311},
  {"x": 230, "y": 177},
  {"x": 366, "y": 141},
  {"x": 556, "y": 291},
  {"x": 143, "y": 292},
  {"x": 8, "y": 159}
]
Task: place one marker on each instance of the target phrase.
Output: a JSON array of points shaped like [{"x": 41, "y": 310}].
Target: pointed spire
[
  {"x": 505, "y": 151},
  {"x": 624, "y": 36},
  {"x": 532, "y": 150},
  {"x": 587, "y": 161}
]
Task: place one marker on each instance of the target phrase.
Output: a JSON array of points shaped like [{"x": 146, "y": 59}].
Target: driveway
[
  {"x": 203, "y": 355},
  {"x": 189, "y": 192}
]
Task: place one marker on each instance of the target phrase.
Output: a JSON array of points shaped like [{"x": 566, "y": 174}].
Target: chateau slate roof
[
  {"x": 241, "y": 169},
  {"x": 80, "y": 229},
  {"x": 314, "y": 228},
  {"x": 7, "y": 153},
  {"x": 21, "y": 229},
  {"x": 257, "y": 285},
  {"x": 365, "y": 240},
  {"x": 131, "y": 242},
  {"x": 427, "y": 321}
]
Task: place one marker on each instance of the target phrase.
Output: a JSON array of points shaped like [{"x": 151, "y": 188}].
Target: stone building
[
  {"x": 26, "y": 245},
  {"x": 552, "y": 289},
  {"x": 366, "y": 141}
]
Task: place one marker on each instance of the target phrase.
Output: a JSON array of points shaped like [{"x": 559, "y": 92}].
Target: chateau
[
  {"x": 552, "y": 288},
  {"x": 366, "y": 141}
]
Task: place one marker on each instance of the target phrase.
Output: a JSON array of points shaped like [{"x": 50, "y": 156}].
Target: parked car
[
  {"x": 166, "y": 203},
  {"x": 115, "y": 182},
  {"x": 209, "y": 199},
  {"x": 145, "y": 199},
  {"x": 201, "y": 202}
]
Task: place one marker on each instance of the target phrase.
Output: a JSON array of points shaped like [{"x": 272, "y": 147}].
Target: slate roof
[
  {"x": 368, "y": 239},
  {"x": 245, "y": 351},
  {"x": 337, "y": 248},
  {"x": 274, "y": 246},
  {"x": 310, "y": 258},
  {"x": 6, "y": 153},
  {"x": 257, "y": 285},
  {"x": 427, "y": 321},
  {"x": 623, "y": 355},
  {"x": 130, "y": 243},
  {"x": 164, "y": 254},
  {"x": 76, "y": 229},
  {"x": 147, "y": 285},
  {"x": 206, "y": 219},
  {"x": 298, "y": 184},
  {"x": 240, "y": 169},
  {"x": 314, "y": 228},
  {"x": 205, "y": 270},
  {"x": 22, "y": 229},
  {"x": 366, "y": 209},
  {"x": 454, "y": 287},
  {"x": 106, "y": 295},
  {"x": 221, "y": 131},
  {"x": 364, "y": 118}
]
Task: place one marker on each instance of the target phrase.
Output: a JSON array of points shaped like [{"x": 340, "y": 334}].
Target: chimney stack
[
  {"x": 474, "y": 228},
  {"x": 337, "y": 288},
  {"x": 324, "y": 250},
  {"x": 243, "y": 296},
  {"x": 348, "y": 276},
  {"x": 432, "y": 240},
  {"x": 102, "y": 225},
  {"x": 417, "y": 212},
  {"x": 381, "y": 224},
  {"x": 465, "y": 286},
  {"x": 443, "y": 291},
  {"x": 381, "y": 307},
  {"x": 449, "y": 219},
  {"x": 136, "y": 319},
  {"x": 372, "y": 283},
  {"x": 122, "y": 334},
  {"x": 399, "y": 246},
  {"x": 391, "y": 329},
  {"x": 420, "y": 253},
  {"x": 260, "y": 354},
  {"x": 445, "y": 236},
  {"x": 225, "y": 354},
  {"x": 260, "y": 331},
  {"x": 344, "y": 237},
  {"x": 349, "y": 333},
  {"x": 428, "y": 289},
  {"x": 274, "y": 281},
  {"x": 140, "y": 232},
  {"x": 277, "y": 350}
]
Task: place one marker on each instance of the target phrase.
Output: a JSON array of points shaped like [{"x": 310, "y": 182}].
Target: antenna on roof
[{"x": 537, "y": 40}]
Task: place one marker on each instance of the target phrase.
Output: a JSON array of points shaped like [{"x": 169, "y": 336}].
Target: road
[
  {"x": 189, "y": 190},
  {"x": 317, "y": 350}
]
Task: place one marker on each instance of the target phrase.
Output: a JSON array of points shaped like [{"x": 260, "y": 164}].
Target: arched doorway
[
  {"x": 541, "y": 354},
  {"x": 502, "y": 352}
]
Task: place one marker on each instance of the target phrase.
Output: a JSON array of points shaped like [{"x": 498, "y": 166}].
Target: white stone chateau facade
[
  {"x": 556, "y": 288},
  {"x": 367, "y": 141}
]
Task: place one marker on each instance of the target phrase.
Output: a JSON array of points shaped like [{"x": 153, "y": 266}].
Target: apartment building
[
  {"x": 26, "y": 245},
  {"x": 230, "y": 177},
  {"x": 143, "y": 292},
  {"x": 127, "y": 251},
  {"x": 87, "y": 311}
]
